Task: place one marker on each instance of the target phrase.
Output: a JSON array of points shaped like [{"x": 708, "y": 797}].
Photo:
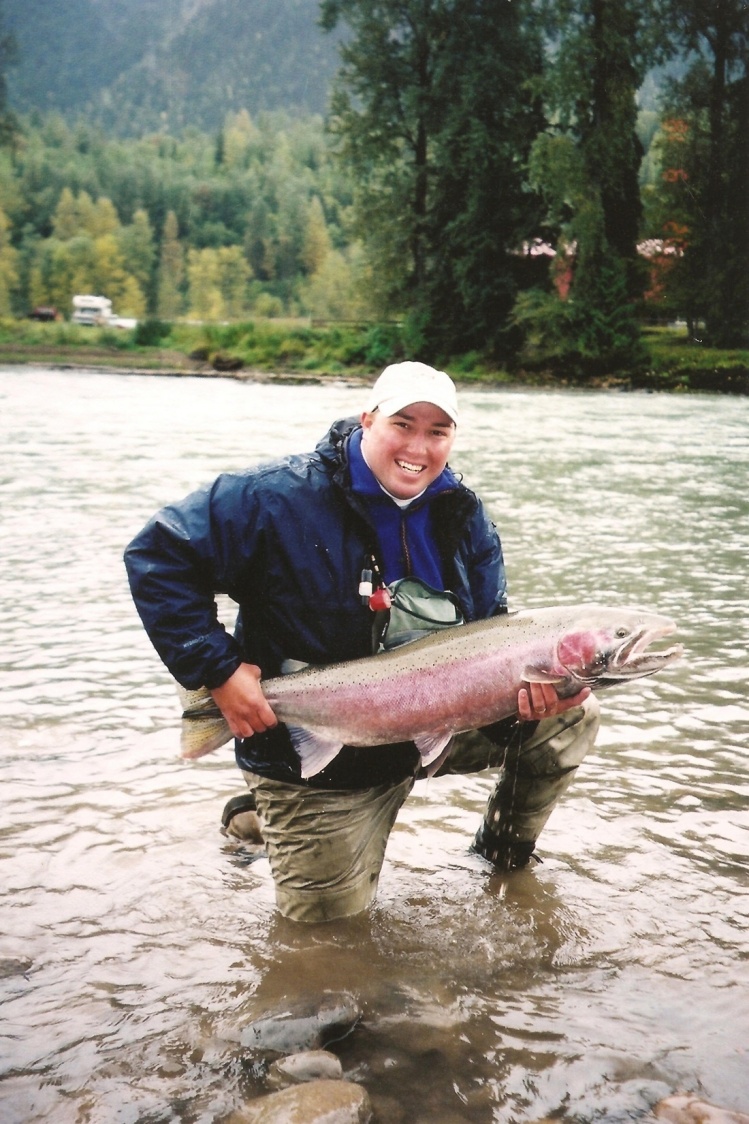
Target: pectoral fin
[
  {"x": 533, "y": 674},
  {"x": 315, "y": 750}
]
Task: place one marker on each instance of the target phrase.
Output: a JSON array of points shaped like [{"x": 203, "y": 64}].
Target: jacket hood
[{"x": 332, "y": 446}]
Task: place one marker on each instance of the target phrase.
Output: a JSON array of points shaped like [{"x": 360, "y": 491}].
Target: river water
[{"x": 137, "y": 940}]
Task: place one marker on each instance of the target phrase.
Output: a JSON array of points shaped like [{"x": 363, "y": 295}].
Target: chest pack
[{"x": 416, "y": 610}]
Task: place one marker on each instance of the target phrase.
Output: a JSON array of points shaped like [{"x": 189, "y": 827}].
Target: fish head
[{"x": 607, "y": 646}]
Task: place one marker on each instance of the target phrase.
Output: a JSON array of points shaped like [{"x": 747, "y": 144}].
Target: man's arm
[{"x": 184, "y": 555}]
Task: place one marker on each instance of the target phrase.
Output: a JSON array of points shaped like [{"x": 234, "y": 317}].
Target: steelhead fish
[{"x": 455, "y": 680}]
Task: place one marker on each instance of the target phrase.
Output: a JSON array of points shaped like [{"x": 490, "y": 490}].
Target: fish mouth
[{"x": 635, "y": 658}]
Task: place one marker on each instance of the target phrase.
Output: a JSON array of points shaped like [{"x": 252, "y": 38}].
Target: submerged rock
[
  {"x": 305, "y": 1025},
  {"x": 686, "y": 1109},
  {"x": 319, "y": 1102},
  {"x": 310, "y": 1065},
  {"x": 14, "y": 966}
]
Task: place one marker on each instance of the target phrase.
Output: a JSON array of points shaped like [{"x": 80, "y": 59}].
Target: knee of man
[
  {"x": 560, "y": 744},
  {"x": 572, "y": 743}
]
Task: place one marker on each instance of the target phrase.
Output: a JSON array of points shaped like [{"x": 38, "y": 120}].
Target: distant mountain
[{"x": 139, "y": 65}]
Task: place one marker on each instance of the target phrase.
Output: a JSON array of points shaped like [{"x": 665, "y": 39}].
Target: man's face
[{"x": 408, "y": 450}]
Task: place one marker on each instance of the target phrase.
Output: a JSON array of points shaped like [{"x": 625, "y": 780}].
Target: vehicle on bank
[
  {"x": 44, "y": 313},
  {"x": 96, "y": 312}
]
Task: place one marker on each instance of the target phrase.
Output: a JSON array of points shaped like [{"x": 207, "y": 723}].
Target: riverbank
[{"x": 286, "y": 351}]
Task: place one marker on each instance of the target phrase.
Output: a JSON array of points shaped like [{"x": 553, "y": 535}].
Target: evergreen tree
[
  {"x": 481, "y": 211},
  {"x": 710, "y": 191},
  {"x": 600, "y": 58},
  {"x": 587, "y": 163},
  {"x": 432, "y": 112},
  {"x": 8, "y": 57}
]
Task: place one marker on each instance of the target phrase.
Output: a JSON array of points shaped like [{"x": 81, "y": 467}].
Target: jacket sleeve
[
  {"x": 184, "y": 555},
  {"x": 485, "y": 566}
]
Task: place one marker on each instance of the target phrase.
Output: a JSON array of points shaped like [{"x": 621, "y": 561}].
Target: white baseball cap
[{"x": 402, "y": 384}]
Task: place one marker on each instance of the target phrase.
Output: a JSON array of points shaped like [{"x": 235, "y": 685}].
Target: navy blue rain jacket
[{"x": 287, "y": 541}]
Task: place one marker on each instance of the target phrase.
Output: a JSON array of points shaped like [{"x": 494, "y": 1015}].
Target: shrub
[
  {"x": 382, "y": 345},
  {"x": 225, "y": 361},
  {"x": 291, "y": 348},
  {"x": 150, "y": 333}
]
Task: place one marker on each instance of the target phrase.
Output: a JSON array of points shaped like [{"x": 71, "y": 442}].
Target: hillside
[{"x": 138, "y": 65}]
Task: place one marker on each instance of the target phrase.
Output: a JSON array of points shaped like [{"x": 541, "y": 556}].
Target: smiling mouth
[{"x": 414, "y": 469}]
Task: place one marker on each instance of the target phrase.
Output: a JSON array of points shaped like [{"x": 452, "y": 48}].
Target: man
[{"x": 309, "y": 547}]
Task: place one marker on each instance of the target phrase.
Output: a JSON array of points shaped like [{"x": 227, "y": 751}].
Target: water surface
[{"x": 137, "y": 940}]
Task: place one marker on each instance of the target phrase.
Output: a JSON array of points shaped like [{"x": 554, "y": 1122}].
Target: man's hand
[
  {"x": 540, "y": 700},
  {"x": 243, "y": 704}
]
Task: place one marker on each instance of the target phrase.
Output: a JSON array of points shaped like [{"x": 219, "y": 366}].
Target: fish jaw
[
  {"x": 634, "y": 659},
  {"x": 603, "y": 657}
]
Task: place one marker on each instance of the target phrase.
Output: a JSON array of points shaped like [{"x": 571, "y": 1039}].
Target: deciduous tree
[
  {"x": 171, "y": 274},
  {"x": 8, "y": 267}
]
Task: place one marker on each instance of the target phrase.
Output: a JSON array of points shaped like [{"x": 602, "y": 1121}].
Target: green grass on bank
[
  {"x": 264, "y": 345},
  {"x": 338, "y": 348},
  {"x": 678, "y": 363},
  {"x": 672, "y": 350}
]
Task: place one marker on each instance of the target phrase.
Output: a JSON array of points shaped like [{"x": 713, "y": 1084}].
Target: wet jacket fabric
[{"x": 288, "y": 542}]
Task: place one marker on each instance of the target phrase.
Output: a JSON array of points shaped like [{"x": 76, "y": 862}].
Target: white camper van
[
  {"x": 94, "y": 311},
  {"x": 97, "y": 312}
]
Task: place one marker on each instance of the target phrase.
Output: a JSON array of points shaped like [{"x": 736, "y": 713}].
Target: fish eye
[{"x": 622, "y": 632}]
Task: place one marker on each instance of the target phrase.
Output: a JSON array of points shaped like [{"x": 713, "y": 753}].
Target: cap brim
[{"x": 394, "y": 405}]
